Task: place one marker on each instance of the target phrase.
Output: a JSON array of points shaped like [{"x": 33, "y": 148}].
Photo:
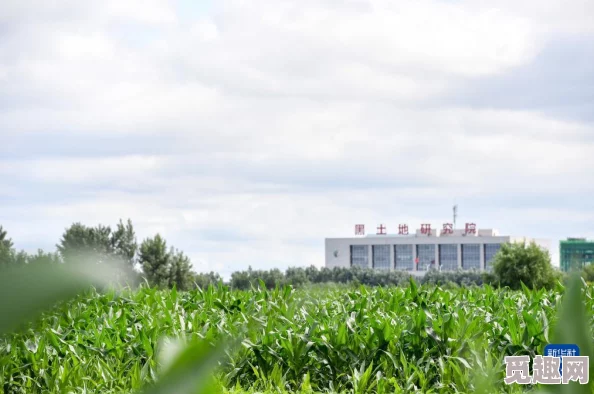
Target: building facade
[
  {"x": 575, "y": 253},
  {"x": 447, "y": 250}
]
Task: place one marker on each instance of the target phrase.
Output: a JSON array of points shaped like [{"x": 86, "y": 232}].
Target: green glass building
[{"x": 575, "y": 253}]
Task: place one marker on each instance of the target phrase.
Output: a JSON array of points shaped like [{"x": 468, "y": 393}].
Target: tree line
[
  {"x": 299, "y": 276},
  {"x": 152, "y": 261},
  {"x": 163, "y": 266}
]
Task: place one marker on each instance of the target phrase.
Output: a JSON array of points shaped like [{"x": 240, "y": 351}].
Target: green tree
[
  {"x": 154, "y": 261},
  {"x": 100, "y": 243},
  {"x": 240, "y": 280},
  {"x": 22, "y": 258},
  {"x": 180, "y": 270},
  {"x": 43, "y": 258},
  {"x": 6, "y": 250},
  {"x": 163, "y": 268},
  {"x": 524, "y": 263},
  {"x": 202, "y": 280},
  {"x": 272, "y": 278},
  {"x": 4, "y": 240},
  {"x": 123, "y": 241},
  {"x": 19, "y": 258},
  {"x": 10, "y": 256},
  {"x": 295, "y": 276},
  {"x": 79, "y": 241}
]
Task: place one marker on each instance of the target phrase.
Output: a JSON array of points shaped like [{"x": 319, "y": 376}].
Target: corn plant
[{"x": 57, "y": 334}]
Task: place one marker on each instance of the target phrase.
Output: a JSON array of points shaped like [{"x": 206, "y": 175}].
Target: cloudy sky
[{"x": 246, "y": 132}]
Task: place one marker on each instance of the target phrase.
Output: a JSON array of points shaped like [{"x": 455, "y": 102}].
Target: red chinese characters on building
[
  {"x": 448, "y": 228},
  {"x": 426, "y": 229},
  {"x": 403, "y": 229},
  {"x": 470, "y": 228},
  {"x": 359, "y": 229},
  {"x": 381, "y": 230}
]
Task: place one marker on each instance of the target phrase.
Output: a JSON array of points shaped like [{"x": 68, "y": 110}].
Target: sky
[{"x": 246, "y": 132}]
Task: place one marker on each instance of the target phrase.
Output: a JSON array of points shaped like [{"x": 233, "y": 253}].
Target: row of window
[
  {"x": 403, "y": 256},
  {"x": 575, "y": 256}
]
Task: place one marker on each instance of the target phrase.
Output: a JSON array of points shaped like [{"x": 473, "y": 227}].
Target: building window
[
  {"x": 403, "y": 258},
  {"x": 381, "y": 257},
  {"x": 448, "y": 257},
  {"x": 471, "y": 256},
  {"x": 576, "y": 254},
  {"x": 490, "y": 252},
  {"x": 360, "y": 256},
  {"x": 426, "y": 255}
]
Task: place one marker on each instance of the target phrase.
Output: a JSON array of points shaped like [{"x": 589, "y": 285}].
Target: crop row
[{"x": 356, "y": 340}]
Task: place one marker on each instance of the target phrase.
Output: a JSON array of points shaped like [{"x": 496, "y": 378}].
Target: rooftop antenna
[{"x": 455, "y": 214}]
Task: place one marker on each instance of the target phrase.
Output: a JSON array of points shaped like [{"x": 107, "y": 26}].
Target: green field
[{"x": 332, "y": 339}]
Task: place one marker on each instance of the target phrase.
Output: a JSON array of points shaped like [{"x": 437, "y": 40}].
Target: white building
[{"x": 447, "y": 250}]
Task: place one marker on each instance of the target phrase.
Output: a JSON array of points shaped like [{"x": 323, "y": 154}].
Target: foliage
[
  {"x": 460, "y": 278},
  {"x": 180, "y": 270},
  {"x": 124, "y": 243},
  {"x": 154, "y": 260},
  {"x": 5, "y": 248},
  {"x": 251, "y": 278},
  {"x": 10, "y": 257},
  {"x": 588, "y": 273},
  {"x": 165, "y": 268},
  {"x": 26, "y": 291},
  {"x": 79, "y": 242},
  {"x": 439, "y": 333},
  {"x": 574, "y": 326},
  {"x": 517, "y": 263},
  {"x": 42, "y": 258},
  {"x": 5, "y": 242},
  {"x": 203, "y": 280},
  {"x": 296, "y": 277},
  {"x": 363, "y": 340}
]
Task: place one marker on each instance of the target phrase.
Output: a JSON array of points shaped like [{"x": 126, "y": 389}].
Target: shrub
[{"x": 524, "y": 263}]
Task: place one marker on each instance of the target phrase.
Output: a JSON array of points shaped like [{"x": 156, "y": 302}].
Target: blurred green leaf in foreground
[
  {"x": 27, "y": 291},
  {"x": 572, "y": 328}
]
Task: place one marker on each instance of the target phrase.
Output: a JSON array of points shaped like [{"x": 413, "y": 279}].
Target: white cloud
[
  {"x": 151, "y": 12},
  {"x": 403, "y": 53},
  {"x": 83, "y": 171},
  {"x": 286, "y": 121},
  {"x": 551, "y": 16}
]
